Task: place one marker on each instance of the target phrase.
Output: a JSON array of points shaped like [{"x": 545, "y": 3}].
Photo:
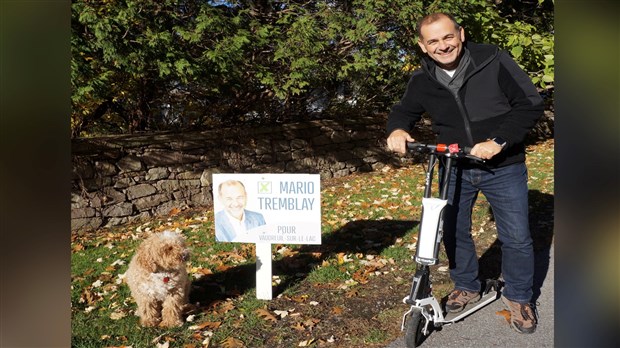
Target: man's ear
[
  {"x": 422, "y": 46},
  {"x": 462, "y": 32}
]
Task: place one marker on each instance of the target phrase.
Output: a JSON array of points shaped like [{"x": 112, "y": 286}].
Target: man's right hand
[{"x": 397, "y": 141}]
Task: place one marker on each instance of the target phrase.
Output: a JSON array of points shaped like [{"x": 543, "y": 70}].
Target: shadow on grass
[
  {"x": 372, "y": 237},
  {"x": 361, "y": 236},
  {"x": 541, "y": 229}
]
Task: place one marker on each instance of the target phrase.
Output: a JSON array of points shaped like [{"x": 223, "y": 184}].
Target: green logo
[{"x": 264, "y": 187}]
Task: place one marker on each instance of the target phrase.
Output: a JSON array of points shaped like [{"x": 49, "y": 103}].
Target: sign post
[
  {"x": 267, "y": 209},
  {"x": 263, "y": 271}
]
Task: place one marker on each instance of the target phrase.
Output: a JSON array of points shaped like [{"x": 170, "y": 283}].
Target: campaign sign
[{"x": 267, "y": 208}]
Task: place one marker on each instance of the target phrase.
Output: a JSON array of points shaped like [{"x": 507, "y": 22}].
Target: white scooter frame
[{"x": 425, "y": 308}]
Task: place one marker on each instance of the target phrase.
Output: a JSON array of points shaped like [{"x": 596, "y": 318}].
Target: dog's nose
[{"x": 185, "y": 256}]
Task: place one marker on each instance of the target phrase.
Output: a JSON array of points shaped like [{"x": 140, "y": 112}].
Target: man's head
[
  {"x": 233, "y": 196},
  {"x": 441, "y": 37}
]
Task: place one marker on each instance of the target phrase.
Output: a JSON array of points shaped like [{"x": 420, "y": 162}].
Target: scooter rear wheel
[{"x": 415, "y": 322}]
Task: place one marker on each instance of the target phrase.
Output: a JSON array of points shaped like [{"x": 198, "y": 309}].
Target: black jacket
[{"x": 497, "y": 99}]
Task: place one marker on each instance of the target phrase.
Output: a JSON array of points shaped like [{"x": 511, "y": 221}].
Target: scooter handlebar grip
[{"x": 414, "y": 145}]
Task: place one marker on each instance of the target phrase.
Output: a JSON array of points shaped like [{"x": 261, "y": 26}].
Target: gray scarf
[{"x": 455, "y": 82}]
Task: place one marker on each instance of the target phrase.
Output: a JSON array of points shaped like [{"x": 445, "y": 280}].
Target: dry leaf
[
  {"x": 306, "y": 343},
  {"x": 232, "y": 342},
  {"x": 281, "y": 314},
  {"x": 504, "y": 313},
  {"x": 337, "y": 310},
  {"x": 352, "y": 293},
  {"x": 299, "y": 298},
  {"x": 311, "y": 322},
  {"x": 117, "y": 315},
  {"x": 206, "y": 325},
  {"x": 266, "y": 315},
  {"x": 360, "y": 277},
  {"x": 298, "y": 327},
  {"x": 223, "y": 307},
  {"x": 340, "y": 258}
]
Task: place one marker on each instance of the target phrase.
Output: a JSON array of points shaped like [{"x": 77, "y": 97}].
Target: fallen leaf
[
  {"x": 299, "y": 298},
  {"x": 117, "y": 315},
  {"x": 232, "y": 342},
  {"x": 504, "y": 313},
  {"x": 220, "y": 307},
  {"x": 311, "y": 322},
  {"x": 281, "y": 314},
  {"x": 222, "y": 268},
  {"x": 351, "y": 293},
  {"x": 306, "y": 343},
  {"x": 340, "y": 258},
  {"x": 206, "y": 325},
  {"x": 337, "y": 310},
  {"x": 266, "y": 315},
  {"x": 298, "y": 326}
]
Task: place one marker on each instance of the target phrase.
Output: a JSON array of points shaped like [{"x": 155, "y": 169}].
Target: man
[
  {"x": 234, "y": 219},
  {"x": 476, "y": 96}
]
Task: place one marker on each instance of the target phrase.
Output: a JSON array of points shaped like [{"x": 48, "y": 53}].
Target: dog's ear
[{"x": 145, "y": 259}]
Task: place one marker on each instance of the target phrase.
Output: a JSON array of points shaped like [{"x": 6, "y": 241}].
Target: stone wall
[{"x": 123, "y": 178}]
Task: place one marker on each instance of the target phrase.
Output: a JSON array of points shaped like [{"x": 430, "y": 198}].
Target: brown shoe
[
  {"x": 459, "y": 298},
  {"x": 522, "y": 316}
]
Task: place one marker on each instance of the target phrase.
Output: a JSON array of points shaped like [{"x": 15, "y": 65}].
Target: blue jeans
[{"x": 506, "y": 191}]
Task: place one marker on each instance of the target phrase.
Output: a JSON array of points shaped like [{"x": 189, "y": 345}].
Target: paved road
[{"x": 485, "y": 328}]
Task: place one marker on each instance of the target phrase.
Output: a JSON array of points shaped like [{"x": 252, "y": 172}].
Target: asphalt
[{"x": 487, "y": 328}]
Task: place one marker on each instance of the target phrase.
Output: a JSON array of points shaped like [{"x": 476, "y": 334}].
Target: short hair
[
  {"x": 433, "y": 17},
  {"x": 230, "y": 183}
]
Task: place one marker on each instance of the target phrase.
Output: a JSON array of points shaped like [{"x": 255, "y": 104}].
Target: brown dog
[{"x": 158, "y": 279}]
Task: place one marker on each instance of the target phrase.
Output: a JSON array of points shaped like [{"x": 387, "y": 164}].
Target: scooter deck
[{"x": 472, "y": 307}]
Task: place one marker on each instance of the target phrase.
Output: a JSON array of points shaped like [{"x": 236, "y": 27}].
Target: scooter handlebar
[{"x": 443, "y": 149}]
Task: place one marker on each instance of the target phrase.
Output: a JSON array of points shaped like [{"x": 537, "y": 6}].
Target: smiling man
[
  {"x": 476, "y": 96},
  {"x": 442, "y": 41},
  {"x": 234, "y": 219}
]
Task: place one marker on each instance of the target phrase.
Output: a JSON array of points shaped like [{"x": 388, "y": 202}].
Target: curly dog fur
[{"x": 158, "y": 279}]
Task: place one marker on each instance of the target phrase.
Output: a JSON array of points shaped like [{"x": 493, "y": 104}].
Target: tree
[{"x": 150, "y": 65}]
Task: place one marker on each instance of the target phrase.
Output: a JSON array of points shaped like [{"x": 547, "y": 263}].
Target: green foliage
[{"x": 149, "y": 65}]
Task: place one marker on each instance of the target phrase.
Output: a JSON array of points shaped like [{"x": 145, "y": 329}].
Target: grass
[{"x": 346, "y": 292}]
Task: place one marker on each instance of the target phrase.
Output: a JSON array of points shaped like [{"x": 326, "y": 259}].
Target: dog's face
[{"x": 163, "y": 251}]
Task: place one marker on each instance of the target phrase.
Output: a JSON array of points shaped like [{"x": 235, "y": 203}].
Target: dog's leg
[
  {"x": 149, "y": 311},
  {"x": 172, "y": 311}
]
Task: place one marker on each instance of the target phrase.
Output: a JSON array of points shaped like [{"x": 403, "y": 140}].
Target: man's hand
[
  {"x": 486, "y": 150},
  {"x": 397, "y": 141}
]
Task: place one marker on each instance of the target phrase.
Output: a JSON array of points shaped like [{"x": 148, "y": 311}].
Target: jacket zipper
[
  {"x": 456, "y": 95},
  {"x": 465, "y": 118}
]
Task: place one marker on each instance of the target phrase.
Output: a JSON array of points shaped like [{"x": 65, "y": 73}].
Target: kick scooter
[{"x": 426, "y": 312}]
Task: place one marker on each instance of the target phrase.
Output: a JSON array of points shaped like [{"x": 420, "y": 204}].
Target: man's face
[
  {"x": 442, "y": 42},
  {"x": 234, "y": 199}
]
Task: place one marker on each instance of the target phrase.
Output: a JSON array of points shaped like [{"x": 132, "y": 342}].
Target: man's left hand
[{"x": 486, "y": 150}]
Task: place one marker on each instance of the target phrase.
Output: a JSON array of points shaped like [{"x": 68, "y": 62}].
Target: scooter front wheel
[{"x": 414, "y": 323}]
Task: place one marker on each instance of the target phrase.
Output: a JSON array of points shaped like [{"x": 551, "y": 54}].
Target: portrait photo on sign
[
  {"x": 268, "y": 208},
  {"x": 234, "y": 220}
]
